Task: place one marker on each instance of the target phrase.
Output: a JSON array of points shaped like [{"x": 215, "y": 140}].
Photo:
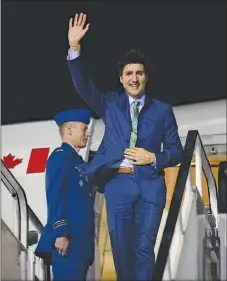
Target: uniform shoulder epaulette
[{"x": 59, "y": 150}]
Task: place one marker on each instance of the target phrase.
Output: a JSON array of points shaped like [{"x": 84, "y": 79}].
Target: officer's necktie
[{"x": 135, "y": 114}]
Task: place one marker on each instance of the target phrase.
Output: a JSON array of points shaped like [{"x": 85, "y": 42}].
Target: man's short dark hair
[{"x": 133, "y": 56}]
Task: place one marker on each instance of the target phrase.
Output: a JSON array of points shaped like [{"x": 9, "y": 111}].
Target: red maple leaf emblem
[{"x": 10, "y": 162}]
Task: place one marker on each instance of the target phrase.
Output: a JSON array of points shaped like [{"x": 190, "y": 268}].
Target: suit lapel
[
  {"x": 123, "y": 105},
  {"x": 149, "y": 105},
  {"x": 125, "y": 108},
  {"x": 123, "y": 119}
]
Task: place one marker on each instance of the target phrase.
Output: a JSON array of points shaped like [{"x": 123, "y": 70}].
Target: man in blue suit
[
  {"x": 128, "y": 166},
  {"x": 68, "y": 237}
]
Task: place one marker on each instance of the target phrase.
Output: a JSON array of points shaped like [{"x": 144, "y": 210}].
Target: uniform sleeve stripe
[{"x": 60, "y": 223}]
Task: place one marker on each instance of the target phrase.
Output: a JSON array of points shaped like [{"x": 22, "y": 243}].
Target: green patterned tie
[{"x": 135, "y": 115}]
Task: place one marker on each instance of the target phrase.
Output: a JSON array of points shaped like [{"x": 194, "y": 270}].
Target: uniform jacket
[{"x": 69, "y": 202}]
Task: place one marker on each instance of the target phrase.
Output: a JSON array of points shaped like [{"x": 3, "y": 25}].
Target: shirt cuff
[{"x": 72, "y": 54}]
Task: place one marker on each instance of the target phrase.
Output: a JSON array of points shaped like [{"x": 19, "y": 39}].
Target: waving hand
[{"x": 77, "y": 30}]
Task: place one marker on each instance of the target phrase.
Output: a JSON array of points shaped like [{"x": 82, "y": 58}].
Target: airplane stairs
[{"x": 191, "y": 243}]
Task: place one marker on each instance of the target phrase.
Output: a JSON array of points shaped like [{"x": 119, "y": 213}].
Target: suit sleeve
[
  {"x": 172, "y": 148},
  {"x": 85, "y": 87},
  {"x": 57, "y": 174}
]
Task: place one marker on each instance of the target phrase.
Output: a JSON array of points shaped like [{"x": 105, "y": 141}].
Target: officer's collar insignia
[{"x": 78, "y": 169}]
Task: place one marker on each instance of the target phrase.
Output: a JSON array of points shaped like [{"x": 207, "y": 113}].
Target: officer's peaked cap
[{"x": 78, "y": 115}]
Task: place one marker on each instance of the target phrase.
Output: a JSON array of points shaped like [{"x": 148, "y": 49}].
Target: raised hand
[{"x": 77, "y": 31}]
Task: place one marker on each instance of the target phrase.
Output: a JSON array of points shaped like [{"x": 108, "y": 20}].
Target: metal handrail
[
  {"x": 35, "y": 219},
  {"x": 193, "y": 144},
  {"x": 14, "y": 188},
  {"x": 210, "y": 180},
  {"x": 22, "y": 248},
  {"x": 17, "y": 191}
]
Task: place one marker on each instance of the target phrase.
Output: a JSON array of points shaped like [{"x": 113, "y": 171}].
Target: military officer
[{"x": 67, "y": 241}]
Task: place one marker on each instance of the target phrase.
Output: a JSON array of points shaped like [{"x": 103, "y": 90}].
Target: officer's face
[
  {"x": 79, "y": 134},
  {"x": 134, "y": 79}
]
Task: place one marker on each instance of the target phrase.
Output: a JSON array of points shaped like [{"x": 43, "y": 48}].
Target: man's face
[
  {"x": 79, "y": 134},
  {"x": 134, "y": 79}
]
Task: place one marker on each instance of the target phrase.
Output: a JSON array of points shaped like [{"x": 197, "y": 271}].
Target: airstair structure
[{"x": 192, "y": 243}]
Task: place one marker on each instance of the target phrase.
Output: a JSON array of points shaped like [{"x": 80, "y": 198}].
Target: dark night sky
[{"x": 186, "y": 41}]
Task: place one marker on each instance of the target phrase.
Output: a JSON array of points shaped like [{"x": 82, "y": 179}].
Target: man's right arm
[
  {"x": 84, "y": 85},
  {"x": 82, "y": 82}
]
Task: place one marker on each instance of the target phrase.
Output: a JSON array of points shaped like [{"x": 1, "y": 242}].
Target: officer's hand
[
  {"x": 139, "y": 156},
  {"x": 62, "y": 244},
  {"x": 77, "y": 31}
]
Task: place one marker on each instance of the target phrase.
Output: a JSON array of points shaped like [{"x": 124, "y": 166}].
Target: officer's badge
[
  {"x": 79, "y": 170},
  {"x": 81, "y": 183}
]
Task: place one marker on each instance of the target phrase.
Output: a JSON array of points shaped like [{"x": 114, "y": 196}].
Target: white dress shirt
[{"x": 125, "y": 162}]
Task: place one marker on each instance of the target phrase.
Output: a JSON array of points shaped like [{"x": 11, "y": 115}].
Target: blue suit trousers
[{"x": 133, "y": 226}]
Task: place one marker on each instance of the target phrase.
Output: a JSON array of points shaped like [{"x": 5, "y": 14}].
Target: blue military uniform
[{"x": 70, "y": 209}]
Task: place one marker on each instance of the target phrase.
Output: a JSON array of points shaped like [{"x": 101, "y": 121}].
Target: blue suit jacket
[
  {"x": 69, "y": 202},
  {"x": 156, "y": 126}
]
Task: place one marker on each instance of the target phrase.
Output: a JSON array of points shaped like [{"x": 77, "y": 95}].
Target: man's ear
[
  {"x": 121, "y": 79},
  {"x": 69, "y": 128}
]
